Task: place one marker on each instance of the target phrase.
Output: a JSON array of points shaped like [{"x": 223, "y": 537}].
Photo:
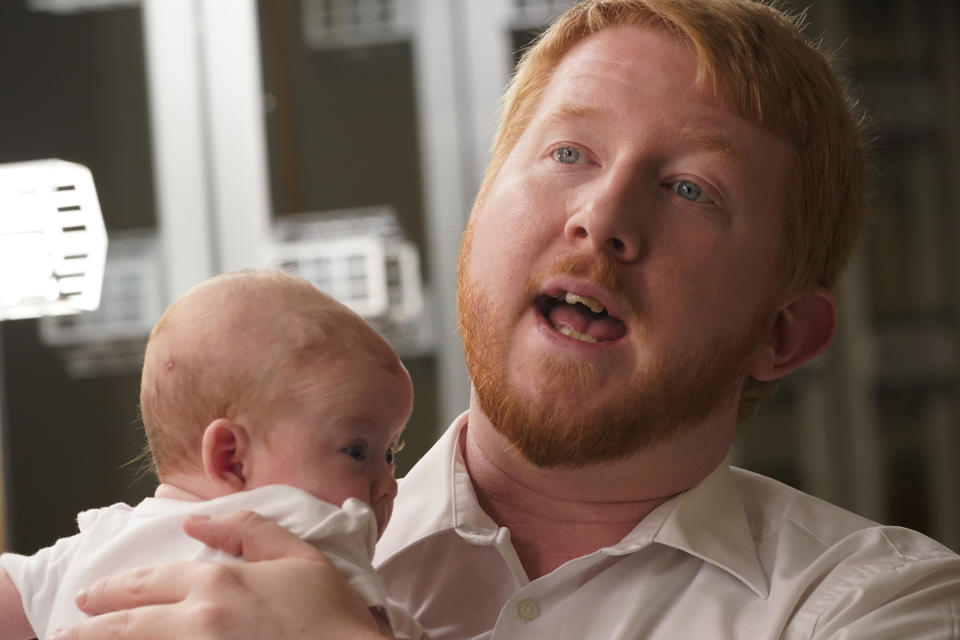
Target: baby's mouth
[{"x": 579, "y": 317}]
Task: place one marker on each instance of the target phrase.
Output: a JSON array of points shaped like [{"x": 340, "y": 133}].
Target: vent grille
[
  {"x": 65, "y": 7},
  {"x": 110, "y": 340},
  {"x": 360, "y": 257},
  {"x": 352, "y": 270},
  {"x": 130, "y": 301},
  {"x": 354, "y": 23},
  {"x": 532, "y": 14}
]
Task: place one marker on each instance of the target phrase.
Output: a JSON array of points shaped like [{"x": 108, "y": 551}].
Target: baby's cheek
[{"x": 386, "y": 512}]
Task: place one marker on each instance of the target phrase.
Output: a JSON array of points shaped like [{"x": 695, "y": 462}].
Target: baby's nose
[{"x": 385, "y": 488}]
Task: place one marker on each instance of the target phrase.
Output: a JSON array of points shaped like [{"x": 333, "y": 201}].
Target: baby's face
[{"x": 339, "y": 439}]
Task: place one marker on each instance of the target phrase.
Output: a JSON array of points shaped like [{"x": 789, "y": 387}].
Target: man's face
[{"x": 616, "y": 275}]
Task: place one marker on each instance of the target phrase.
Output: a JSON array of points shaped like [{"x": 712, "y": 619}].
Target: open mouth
[{"x": 579, "y": 317}]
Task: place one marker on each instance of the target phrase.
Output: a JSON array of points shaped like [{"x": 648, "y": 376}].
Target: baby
[{"x": 259, "y": 392}]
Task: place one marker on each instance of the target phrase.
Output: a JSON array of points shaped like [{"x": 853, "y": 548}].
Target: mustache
[{"x": 600, "y": 270}]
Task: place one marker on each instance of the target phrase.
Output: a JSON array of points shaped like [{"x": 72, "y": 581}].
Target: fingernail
[{"x": 81, "y": 599}]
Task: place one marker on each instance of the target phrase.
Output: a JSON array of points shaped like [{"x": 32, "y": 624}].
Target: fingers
[
  {"x": 240, "y": 533},
  {"x": 250, "y": 535},
  {"x": 295, "y": 593},
  {"x": 292, "y": 599},
  {"x": 156, "y": 584},
  {"x": 163, "y": 602},
  {"x": 145, "y": 625}
]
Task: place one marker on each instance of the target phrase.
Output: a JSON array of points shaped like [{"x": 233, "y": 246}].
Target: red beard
[{"x": 551, "y": 425}]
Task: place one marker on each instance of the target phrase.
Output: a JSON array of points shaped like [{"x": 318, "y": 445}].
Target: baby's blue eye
[
  {"x": 566, "y": 155},
  {"x": 691, "y": 191},
  {"x": 357, "y": 451}
]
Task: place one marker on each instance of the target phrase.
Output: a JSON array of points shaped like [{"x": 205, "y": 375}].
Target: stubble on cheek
[{"x": 561, "y": 411}]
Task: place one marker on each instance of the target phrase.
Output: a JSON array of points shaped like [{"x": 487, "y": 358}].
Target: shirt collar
[
  {"x": 431, "y": 495},
  {"x": 707, "y": 521}
]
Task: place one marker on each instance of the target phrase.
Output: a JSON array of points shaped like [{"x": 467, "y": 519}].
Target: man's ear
[
  {"x": 802, "y": 330},
  {"x": 225, "y": 448}
]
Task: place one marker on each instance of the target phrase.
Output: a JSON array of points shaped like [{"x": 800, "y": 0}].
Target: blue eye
[
  {"x": 691, "y": 191},
  {"x": 357, "y": 451},
  {"x": 566, "y": 155}
]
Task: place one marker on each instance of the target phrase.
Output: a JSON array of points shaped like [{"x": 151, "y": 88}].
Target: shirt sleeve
[{"x": 38, "y": 577}]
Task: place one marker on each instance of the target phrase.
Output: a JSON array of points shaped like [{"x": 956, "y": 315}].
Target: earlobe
[
  {"x": 802, "y": 330},
  {"x": 225, "y": 447}
]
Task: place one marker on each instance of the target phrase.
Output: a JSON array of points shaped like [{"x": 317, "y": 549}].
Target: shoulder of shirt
[
  {"x": 825, "y": 531},
  {"x": 770, "y": 505},
  {"x": 854, "y": 573}
]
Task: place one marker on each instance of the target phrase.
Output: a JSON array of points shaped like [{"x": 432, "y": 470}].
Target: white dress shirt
[{"x": 738, "y": 556}]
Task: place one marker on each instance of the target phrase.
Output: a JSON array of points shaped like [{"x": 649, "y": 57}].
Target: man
[{"x": 675, "y": 187}]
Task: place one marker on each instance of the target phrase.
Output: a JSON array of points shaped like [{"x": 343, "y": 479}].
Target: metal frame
[
  {"x": 446, "y": 194},
  {"x": 179, "y": 142}
]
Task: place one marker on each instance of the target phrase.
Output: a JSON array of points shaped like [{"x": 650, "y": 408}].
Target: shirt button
[{"x": 528, "y": 609}]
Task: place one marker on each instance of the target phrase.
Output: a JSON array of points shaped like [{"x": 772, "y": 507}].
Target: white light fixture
[{"x": 53, "y": 243}]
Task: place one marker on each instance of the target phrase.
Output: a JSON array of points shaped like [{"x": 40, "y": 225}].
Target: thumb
[{"x": 248, "y": 534}]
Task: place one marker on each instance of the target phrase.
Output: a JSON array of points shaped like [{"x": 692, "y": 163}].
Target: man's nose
[{"x": 606, "y": 216}]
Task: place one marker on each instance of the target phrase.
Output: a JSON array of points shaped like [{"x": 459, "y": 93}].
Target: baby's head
[{"x": 257, "y": 377}]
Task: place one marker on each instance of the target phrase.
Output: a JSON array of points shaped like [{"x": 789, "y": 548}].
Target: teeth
[
  {"x": 576, "y": 335},
  {"x": 590, "y": 303}
]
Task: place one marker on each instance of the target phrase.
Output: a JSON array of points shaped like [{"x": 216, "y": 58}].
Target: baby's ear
[{"x": 225, "y": 447}]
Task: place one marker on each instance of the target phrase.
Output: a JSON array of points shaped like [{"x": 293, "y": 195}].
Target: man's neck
[{"x": 556, "y": 515}]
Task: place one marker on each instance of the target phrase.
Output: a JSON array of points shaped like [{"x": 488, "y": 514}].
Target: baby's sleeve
[{"x": 38, "y": 577}]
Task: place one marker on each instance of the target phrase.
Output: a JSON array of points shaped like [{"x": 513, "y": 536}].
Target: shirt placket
[{"x": 537, "y": 609}]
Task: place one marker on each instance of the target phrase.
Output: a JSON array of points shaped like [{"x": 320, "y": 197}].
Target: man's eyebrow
[
  {"x": 568, "y": 112},
  {"x": 691, "y": 136},
  {"x": 711, "y": 142}
]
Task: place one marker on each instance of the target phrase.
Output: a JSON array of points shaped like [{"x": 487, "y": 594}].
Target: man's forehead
[
  {"x": 624, "y": 49},
  {"x": 646, "y": 55}
]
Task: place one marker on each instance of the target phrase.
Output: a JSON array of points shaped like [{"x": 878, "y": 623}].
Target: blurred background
[{"x": 344, "y": 140}]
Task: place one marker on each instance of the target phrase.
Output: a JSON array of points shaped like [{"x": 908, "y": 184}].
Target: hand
[{"x": 287, "y": 590}]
